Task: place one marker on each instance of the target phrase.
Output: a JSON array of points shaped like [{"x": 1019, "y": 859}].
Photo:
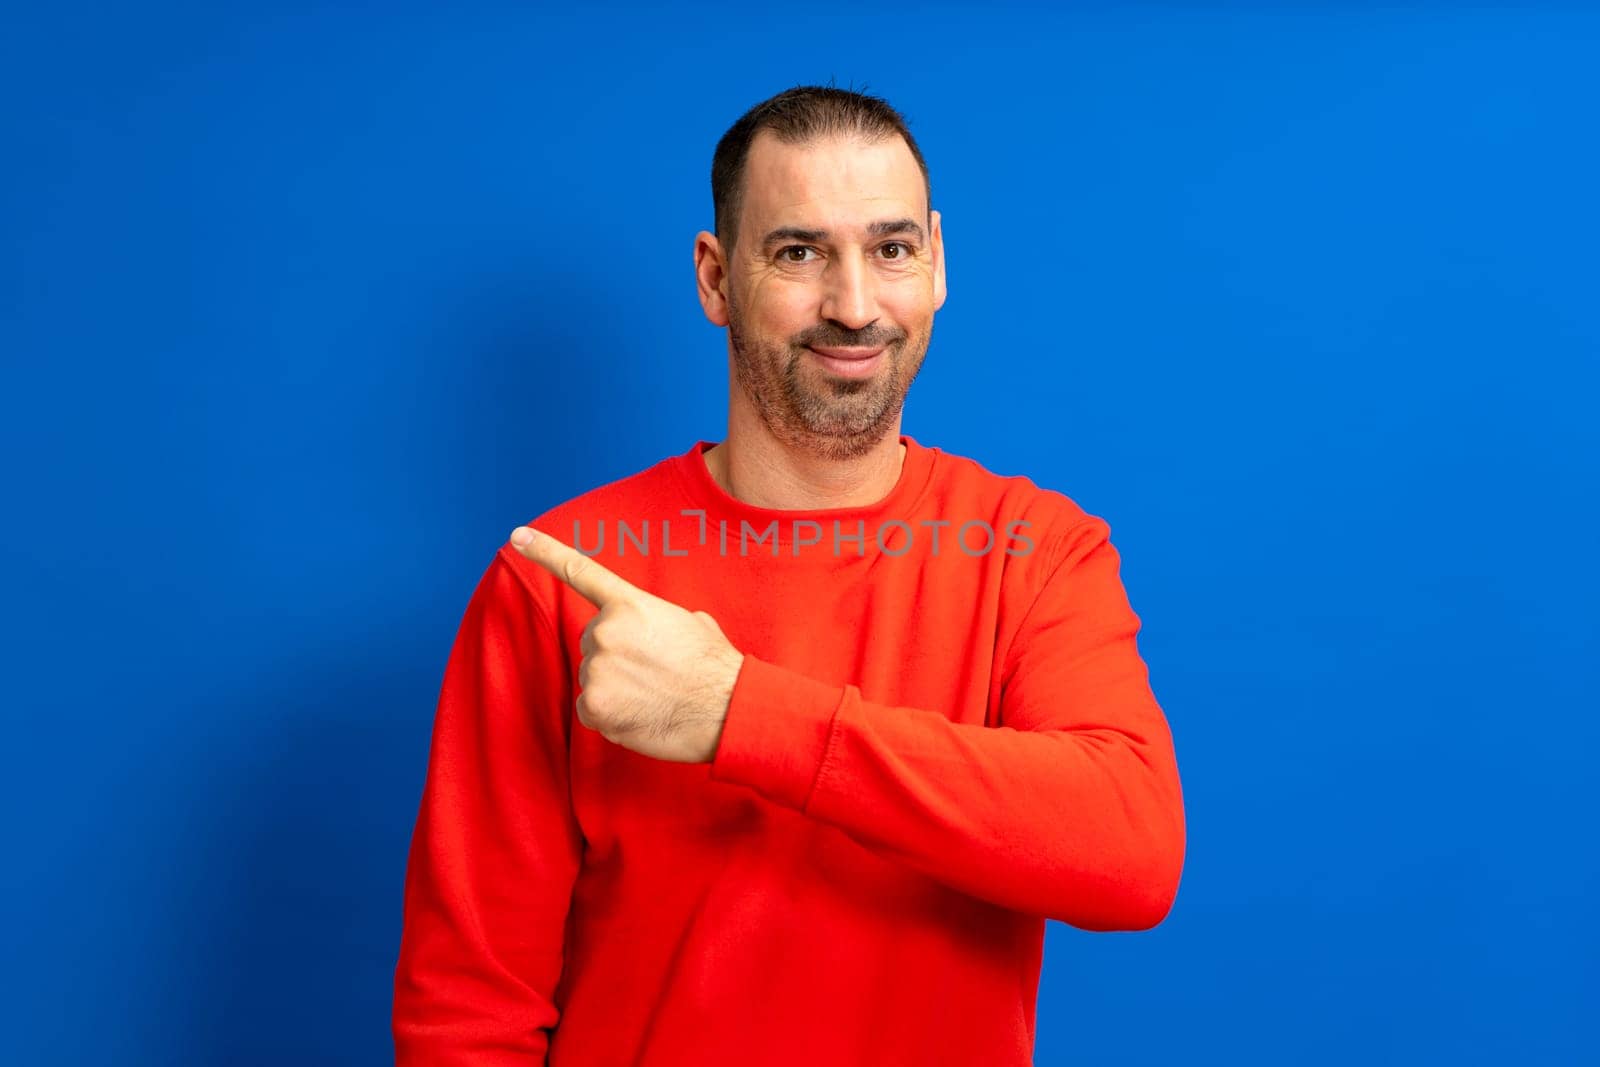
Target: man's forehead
[{"x": 846, "y": 173}]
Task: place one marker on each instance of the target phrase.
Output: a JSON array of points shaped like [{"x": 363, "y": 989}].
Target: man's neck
[{"x": 753, "y": 466}]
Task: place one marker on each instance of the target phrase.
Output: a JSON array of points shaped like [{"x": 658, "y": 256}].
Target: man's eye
[
  {"x": 787, "y": 253},
  {"x": 901, "y": 249}
]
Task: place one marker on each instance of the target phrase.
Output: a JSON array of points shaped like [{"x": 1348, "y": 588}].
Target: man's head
[{"x": 825, "y": 239}]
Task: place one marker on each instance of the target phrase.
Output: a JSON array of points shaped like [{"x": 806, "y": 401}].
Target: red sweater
[{"x": 931, "y": 748}]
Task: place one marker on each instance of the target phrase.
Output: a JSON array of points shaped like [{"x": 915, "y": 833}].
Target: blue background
[{"x": 305, "y": 308}]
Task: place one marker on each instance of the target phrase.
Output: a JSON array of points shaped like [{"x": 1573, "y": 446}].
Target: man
[{"x": 792, "y": 763}]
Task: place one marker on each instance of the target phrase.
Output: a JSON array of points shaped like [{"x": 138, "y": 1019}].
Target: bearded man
[{"x": 792, "y": 764}]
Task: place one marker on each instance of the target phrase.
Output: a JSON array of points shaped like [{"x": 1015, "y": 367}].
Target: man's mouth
[{"x": 848, "y": 362}]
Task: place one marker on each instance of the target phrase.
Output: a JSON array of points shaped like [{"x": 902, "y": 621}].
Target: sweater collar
[{"x": 916, "y": 472}]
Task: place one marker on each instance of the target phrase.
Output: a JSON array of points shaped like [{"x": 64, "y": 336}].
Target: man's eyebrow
[
  {"x": 793, "y": 233},
  {"x": 882, "y": 228},
  {"x": 888, "y": 226}
]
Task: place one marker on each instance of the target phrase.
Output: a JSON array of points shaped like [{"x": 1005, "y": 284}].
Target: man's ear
[
  {"x": 936, "y": 244},
  {"x": 711, "y": 277}
]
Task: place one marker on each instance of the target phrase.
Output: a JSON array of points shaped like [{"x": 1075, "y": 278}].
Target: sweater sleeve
[
  {"x": 1069, "y": 807},
  {"x": 496, "y": 848}
]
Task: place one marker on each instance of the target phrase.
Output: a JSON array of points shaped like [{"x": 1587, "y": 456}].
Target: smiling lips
[{"x": 849, "y": 362}]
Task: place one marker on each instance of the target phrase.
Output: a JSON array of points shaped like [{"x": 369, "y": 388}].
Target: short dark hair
[{"x": 800, "y": 115}]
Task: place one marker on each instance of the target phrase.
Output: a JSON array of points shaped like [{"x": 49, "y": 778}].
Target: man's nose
[{"x": 849, "y": 293}]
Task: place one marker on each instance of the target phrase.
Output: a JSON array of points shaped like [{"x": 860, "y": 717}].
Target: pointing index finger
[{"x": 592, "y": 581}]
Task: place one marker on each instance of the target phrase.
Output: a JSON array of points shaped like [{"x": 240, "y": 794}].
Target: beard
[{"x": 809, "y": 409}]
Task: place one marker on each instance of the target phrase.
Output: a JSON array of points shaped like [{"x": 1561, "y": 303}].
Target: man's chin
[{"x": 855, "y": 431}]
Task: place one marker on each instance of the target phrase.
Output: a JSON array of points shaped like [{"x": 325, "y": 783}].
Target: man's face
[{"x": 835, "y": 255}]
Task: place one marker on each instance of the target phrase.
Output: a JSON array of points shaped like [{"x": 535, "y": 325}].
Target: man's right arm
[{"x": 496, "y": 847}]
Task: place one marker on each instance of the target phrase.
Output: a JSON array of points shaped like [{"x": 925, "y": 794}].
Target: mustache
[{"x": 849, "y": 339}]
